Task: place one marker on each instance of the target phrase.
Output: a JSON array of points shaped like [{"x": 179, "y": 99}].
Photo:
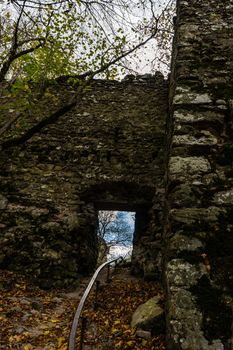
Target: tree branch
[
  {"x": 26, "y": 41},
  {"x": 92, "y": 74},
  {"x": 13, "y": 54},
  {"x": 51, "y": 119},
  {"x": 89, "y": 74},
  {"x": 44, "y": 122},
  {"x": 7, "y": 125},
  {"x": 14, "y": 46},
  {"x": 26, "y": 51}
]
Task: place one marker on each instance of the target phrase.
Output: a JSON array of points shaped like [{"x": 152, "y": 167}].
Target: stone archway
[
  {"x": 114, "y": 137},
  {"x": 140, "y": 199}
]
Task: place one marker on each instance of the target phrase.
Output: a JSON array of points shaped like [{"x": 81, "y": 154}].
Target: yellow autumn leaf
[
  {"x": 114, "y": 330},
  {"x": 144, "y": 342},
  {"x": 64, "y": 347},
  {"x": 26, "y": 347},
  {"x": 117, "y": 322},
  {"x": 17, "y": 338},
  {"x": 130, "y": 342},
  {"x": 119, "y": 344},
  {"x": 60, "y": 341},
  {"x": 54, "y": 321}
]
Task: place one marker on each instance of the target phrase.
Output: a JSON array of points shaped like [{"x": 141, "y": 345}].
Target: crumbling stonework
[
  {"x": 199, "y": 236},
  {"x": 105, "y": 153},
  {"x": 108, "y": 152}
]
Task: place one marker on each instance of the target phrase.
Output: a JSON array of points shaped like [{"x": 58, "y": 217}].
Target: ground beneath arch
[{"x": 33, "y": 319}]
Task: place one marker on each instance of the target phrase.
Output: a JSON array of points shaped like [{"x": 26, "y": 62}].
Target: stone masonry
[
  {"x": 161, "y": 148},
  {"x": 199, "y": 231},
  {"x": 106, "y": 153}
]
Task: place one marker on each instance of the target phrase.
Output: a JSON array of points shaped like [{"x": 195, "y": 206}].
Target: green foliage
[
  {"x": 72, "y": 38},
  {"x": 70, "y": 43},
  {"x": 42, "y": 40}
]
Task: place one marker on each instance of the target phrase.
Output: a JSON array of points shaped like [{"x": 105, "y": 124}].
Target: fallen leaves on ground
[
  {"x": 34, "y": 319},
  {"x": 109, "y": 325},
  {"x": 31, "y": 318}
]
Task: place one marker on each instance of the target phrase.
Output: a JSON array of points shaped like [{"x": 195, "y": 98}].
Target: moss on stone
[{"x": 217, "y": 315}]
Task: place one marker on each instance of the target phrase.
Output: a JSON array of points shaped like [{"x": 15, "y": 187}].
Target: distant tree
[{"x": 114, "y": 229}]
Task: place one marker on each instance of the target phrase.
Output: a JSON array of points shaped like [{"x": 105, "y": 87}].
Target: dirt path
[
  {"x": 109, "y": 325},
  {"x": 32, "y": 319}
]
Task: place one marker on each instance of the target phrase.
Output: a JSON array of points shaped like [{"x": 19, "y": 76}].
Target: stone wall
[
  {"x": 106, "y": 151},
  {"x": 199, "y": 231}
]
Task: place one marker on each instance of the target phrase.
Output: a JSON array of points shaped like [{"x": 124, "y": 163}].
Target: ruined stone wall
[
  {"x": 199, "y": 231},
  {"x": 108, "y": 153},
  {"x": 108, "y": 149}
]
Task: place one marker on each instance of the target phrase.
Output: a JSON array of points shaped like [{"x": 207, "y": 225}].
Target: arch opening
[
  {"x": 128, "y": 197},
  {"x": 115, "y": 234}
]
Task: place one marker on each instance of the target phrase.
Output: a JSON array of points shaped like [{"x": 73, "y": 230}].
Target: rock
[
  {"x": 143, "y": 334},
  {"x": 3, "y": 202},
  {"x": 149, "y": 316},
  {"x": 26, "y": 316},
  {"x": 51, "y": 254},
  {"x": 224, "y": 197},
  {"x": 13, "y": 310},
  {"x": 129, "y": 77},
  {"x": 183, "y": 196},
  {"x": 185, "y": 95},
  {"x": 196, "y": 215},
  {"x": 24, "y": 301},
  {"x": 181, "y": 273},
  {"x": 20, "y": 329},
  {"x": 182, "y": 168},
  {"x": 185, "y": 324},
  {"x": 37, "y": 305},
  {"x": 180, "y": 243},
  {"x": 57, "y": 300},
  {"x": 205, "y": 138},
  {"x": 73, "y": 221},
  {"x": 51, "y": 226}
]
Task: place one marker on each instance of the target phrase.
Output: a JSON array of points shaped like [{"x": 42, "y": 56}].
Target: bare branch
[
  {"x": 92, "y": 74},
  {"x": 14, "y": 47},
  {"x": 26, "y": 51},
  {"x": 46, "y": 121},
  {"x": 8, "y": 124},
  {"x": 30, "y": 40}
]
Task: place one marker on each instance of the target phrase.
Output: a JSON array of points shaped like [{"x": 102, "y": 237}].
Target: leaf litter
[{"x": 35, "y": 319}]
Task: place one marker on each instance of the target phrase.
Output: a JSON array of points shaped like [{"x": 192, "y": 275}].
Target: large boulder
[{"x": 149, "y": 316}]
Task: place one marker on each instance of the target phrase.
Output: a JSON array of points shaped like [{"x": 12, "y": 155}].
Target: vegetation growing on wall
[
  {"x": 48, "y": 39},
  {"x": 72, "y": 41}
]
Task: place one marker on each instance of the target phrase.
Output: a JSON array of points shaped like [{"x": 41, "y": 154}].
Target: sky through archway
[{"x": 115, "y": 233}]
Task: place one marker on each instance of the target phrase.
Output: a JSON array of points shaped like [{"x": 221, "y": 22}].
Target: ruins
[{"x": 160, "y": 147}]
